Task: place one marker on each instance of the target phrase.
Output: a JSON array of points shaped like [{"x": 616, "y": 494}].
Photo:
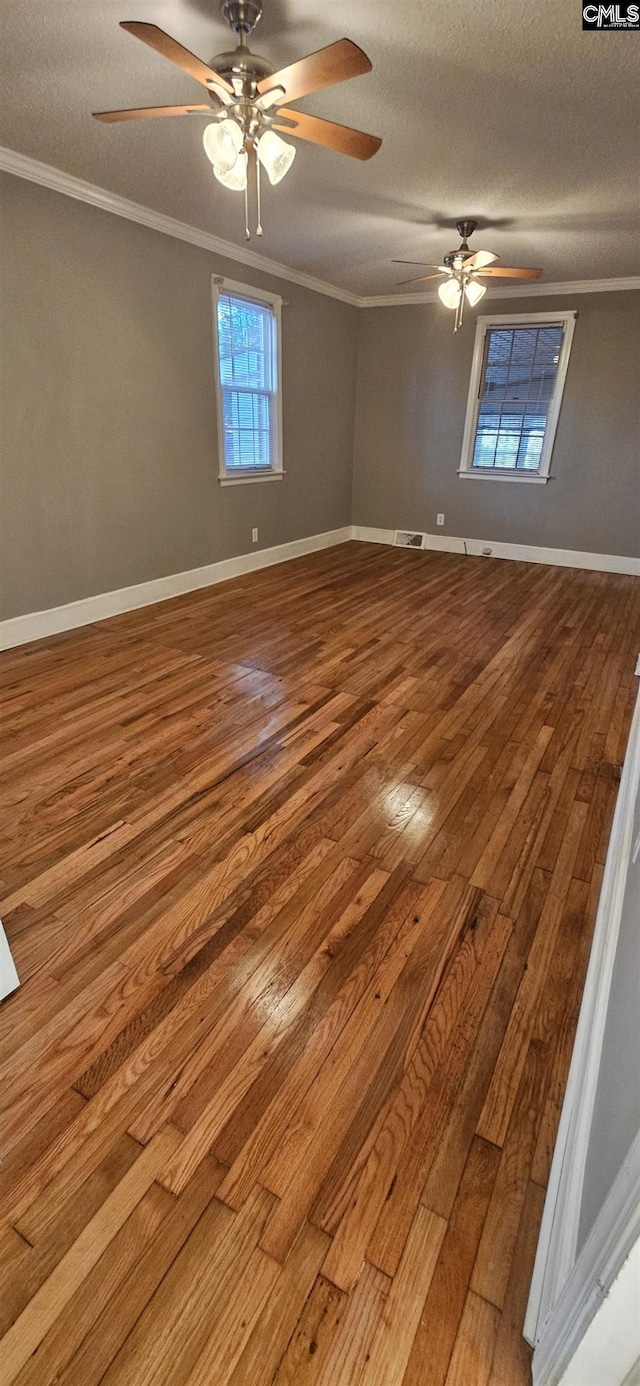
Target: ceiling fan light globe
[
  {"x": 474, "y": 292},
  {"x": 222, "y": 142},
  {"x": 449, "y": 293},
  {"x": 275, "y": 155},
  {"x": 236, "y": 177}
]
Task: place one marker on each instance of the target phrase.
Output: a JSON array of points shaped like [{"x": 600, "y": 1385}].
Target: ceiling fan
[
  {"x": 245, "y": 102},
  {"x": 464, "y": 270}
]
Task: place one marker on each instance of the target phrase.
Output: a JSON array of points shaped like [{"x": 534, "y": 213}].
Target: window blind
[
  {"x": 518, "y": 376},
  {"x": 248, "y": 382}
]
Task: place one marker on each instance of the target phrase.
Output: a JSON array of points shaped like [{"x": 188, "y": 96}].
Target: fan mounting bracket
[
  {"x": 242, "y": 15},
  {"x": 466, "y": 229}
]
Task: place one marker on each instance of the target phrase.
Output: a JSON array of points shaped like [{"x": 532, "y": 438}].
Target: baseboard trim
[
  {"x": 522, "y": 553},
  {"x": 36, "y": 625}
]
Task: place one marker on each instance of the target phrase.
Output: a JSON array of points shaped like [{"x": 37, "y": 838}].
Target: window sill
[
  {"x": 247, "y": 480},
  {"x": 490, "y": 474}
]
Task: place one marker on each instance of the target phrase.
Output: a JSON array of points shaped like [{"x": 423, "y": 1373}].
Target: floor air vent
[{"x": 407, "y": 539}]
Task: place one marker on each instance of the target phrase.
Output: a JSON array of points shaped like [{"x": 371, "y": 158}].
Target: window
[
  {"x": 247, "y": 344},
  {"x": 517, "y": 378}
]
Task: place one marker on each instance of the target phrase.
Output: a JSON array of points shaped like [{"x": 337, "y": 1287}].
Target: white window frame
[
  {"x": 483, "y": 324},
  {"x": 276, "y": 471}
]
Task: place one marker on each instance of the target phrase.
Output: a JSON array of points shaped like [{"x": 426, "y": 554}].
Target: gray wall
[
  {"x": 108, "y": 413},
  {"x": 616, "y": 1113},
  {"x": 413, "y": 379},
  {"x": 108, "y": 433}
]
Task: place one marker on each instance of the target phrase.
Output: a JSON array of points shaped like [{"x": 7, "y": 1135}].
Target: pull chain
[
  {"x": 247, "y": 233},
  {"x": 459, "y": 310},
  {"x": 259, "y": 209}
]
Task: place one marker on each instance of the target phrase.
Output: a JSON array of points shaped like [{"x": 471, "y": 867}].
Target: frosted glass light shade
[
  {"x": 474, "y": 291},
  {"x": 449, "y": 293},
  {"x": 235, "y": 178},
  {"x": 275, "y": 155},
  {"x": 222, "y": 142}
]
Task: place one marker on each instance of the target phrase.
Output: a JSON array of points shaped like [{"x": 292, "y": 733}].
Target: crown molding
[
  {"x": 538, "y": 290},
  {"x": 23, "y": 166},
  {"x": 35, "y": 172}
]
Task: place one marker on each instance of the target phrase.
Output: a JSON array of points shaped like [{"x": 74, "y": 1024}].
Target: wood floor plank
[
  {"x": 495, "y": 1115},
  {"x": 78, "y": 1319},
  {"x": 172, "y": 1332},
  {"x": 443, "y": 1309},
  {"x": 267, "y": 1122},
  {"x": 391, "y": 1346},
  {"x": 350, "y": 1347},
  {"x": 237, "y": 1311},
  {"x": 564, "y": 1019},
  {"x": 387, "y": 1240},
  {"x": 29, "y": 1329},
  {"x": 378, "y": 1162},
  {"x": 475, "y": 1343},
  {"x": 512, "y": 1354},
  {"x": 136, "y": 1285},
  {"x": 495, "y": 1253},
  {"x": 213, "y": 1115},
  {"x": 301, "y": 873},
  {"x": 271, "y": 1335},
  {"x": 446, "y": 1171},
  {"x": 53, "y": 1223},
  {"x": 298, "y": 1170}
]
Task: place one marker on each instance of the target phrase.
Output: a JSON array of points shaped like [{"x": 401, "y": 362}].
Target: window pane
[
  {"x": 546, "y": 360},
  {"x": 518, "y": 378},
  {"x": 247, "y": 429},
  {"x": 246, "y": 344},
  {"x": 244, "y": 337},
  {"x": 510, "y": 435}
]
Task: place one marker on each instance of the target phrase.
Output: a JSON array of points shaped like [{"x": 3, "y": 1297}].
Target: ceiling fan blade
[
  {"x": 171, "y": 49},
  {"x": 339, "y": 137},
  {"x": 421, "y": 278},
  {"x": 426, "y": 264},
  {"x": 504, "y": 273},
  {"x": 148, "y": 113},
  {"x": 481, "y": 258},
  {"x": 335, "y": 63}
]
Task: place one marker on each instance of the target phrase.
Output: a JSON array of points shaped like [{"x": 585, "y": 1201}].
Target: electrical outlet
[
  {"x": 439, "y": 519},
  {"x": 254, "y": 536}
]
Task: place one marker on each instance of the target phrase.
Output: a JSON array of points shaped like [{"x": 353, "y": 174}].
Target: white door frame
[
  {"x": 9, "y": 978},
  {"x": 567, "y": 1289}
]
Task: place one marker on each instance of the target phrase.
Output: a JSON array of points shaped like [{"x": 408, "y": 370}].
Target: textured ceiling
[{"x": 505, "y": 111}]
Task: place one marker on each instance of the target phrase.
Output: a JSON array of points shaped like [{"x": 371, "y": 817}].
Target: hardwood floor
[{"x": 299, "y": 873}]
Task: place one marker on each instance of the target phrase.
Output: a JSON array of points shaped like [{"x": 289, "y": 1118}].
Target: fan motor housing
[
  {"x": 240, "y": 62},
  {"x": 465, "y": 229}
]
